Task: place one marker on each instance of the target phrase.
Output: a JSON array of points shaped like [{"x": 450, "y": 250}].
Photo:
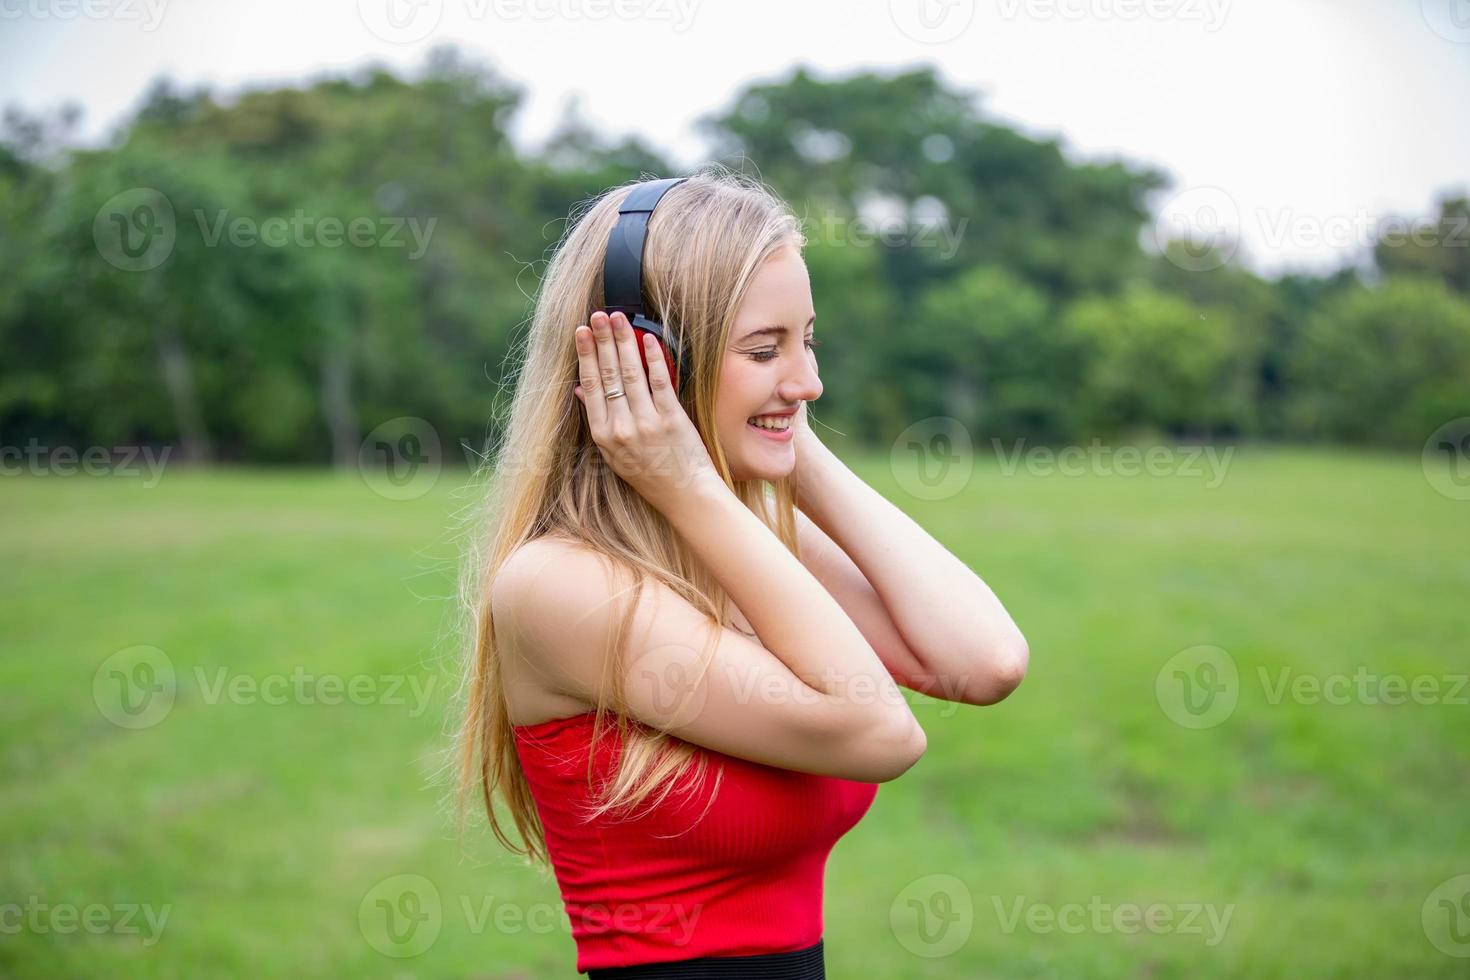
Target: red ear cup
[{"x": 668, "y": 358}]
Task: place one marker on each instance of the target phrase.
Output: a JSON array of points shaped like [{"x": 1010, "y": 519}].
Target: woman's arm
[{"x": 940, "y": 615}]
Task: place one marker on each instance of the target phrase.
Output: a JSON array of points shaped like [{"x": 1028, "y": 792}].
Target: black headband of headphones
[{"x": 622, "y": 270}]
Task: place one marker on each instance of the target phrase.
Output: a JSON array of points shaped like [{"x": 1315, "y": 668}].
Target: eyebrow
[{"x": 778, "y": 329}]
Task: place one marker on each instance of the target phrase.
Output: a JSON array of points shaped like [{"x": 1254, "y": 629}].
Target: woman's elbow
[{"x": 1004, "y": 674}]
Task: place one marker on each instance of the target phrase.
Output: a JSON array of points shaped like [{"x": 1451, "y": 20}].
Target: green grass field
[{"x": 1105, "y": 821}]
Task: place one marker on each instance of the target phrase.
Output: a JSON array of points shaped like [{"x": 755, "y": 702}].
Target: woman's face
[{"x": 768, "y": 369}]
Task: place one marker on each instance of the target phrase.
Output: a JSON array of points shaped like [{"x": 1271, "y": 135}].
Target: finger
[
  {"x": 659, "y": 382},
  {"x": 591, "y": 379},
  {"x": 607, "y": 367},
  {"x": 635, "y": 381}
]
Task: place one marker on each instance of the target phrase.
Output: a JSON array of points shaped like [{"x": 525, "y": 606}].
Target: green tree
[
  {"x": 1157, "y": 363},
  {"x": 1385, "y": 365},
  {"x": 1438, "y": 247},
  {"x": 1005, "y": 361},
  {"x": 905, "y": 142}
]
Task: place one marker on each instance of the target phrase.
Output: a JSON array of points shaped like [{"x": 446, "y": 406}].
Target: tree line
[{"x": 268, "y": 276}]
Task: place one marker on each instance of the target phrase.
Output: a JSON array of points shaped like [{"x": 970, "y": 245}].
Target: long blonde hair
[{"x": 706, "y": 242}]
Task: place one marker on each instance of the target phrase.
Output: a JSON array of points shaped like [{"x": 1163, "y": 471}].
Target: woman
[{"x": 683, "y": 687}]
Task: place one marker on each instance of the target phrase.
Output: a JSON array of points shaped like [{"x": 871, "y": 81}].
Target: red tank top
[{"x": 744, "y": 878}]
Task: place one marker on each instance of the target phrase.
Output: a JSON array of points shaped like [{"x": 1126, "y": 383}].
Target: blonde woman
[{"x": 690, "y": 618}]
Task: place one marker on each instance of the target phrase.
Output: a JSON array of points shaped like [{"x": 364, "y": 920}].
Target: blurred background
[{"x": 1155, "y": 312}]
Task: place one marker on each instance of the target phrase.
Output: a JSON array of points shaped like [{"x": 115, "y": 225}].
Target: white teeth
[{"x": 774, "y": 425}]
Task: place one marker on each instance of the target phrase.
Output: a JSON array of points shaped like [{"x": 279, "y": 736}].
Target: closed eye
[{"x": 812, "y": 343}]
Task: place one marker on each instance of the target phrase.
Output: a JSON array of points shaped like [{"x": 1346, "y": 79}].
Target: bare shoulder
[
  {"x": 556, "y": 568},
  {"x": 526, "y": 598}
]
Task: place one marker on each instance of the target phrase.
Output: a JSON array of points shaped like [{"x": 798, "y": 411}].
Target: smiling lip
[{"x": 777, "y": 436}]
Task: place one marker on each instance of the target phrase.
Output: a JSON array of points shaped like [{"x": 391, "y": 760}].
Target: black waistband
[{"x": 799, "y": 964}]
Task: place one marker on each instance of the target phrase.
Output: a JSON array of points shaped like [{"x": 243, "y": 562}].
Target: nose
[{"x": 803, "y": 385}]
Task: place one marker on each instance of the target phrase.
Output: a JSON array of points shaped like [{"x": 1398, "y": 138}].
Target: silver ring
[{"x": 616, "y": 394}]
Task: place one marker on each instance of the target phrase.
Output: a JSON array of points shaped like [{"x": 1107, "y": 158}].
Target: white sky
[{"x": 1314, "y": 118}]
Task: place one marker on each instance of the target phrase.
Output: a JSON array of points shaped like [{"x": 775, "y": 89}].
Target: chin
[
  {"x": 759, "y": 459},
  {"x": 770, "y": 472}
]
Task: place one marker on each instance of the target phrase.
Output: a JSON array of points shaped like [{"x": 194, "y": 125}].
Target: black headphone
[{"x": 622, "y": 275}]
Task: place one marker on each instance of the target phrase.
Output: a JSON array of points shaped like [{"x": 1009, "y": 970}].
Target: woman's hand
[{"x": 645, "y": 435}]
